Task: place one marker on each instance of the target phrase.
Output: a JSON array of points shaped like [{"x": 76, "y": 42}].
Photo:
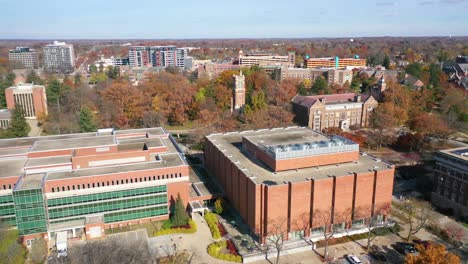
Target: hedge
[
  {"x": 215, "y": 248},
  {"x": 178, "y": 230},
  {"x": 212, "y": 221}
]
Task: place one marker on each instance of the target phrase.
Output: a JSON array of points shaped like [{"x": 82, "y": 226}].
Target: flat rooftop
[
  {"x": 167, "y": 160},
  {"x": 459, "y": 153},
  {"x": 300, "y": 143},
  {"x": 48, "y": 161},
  {"x": 72, "y": 143},
  {"x": 30, "y": 181},
  {"x": 12, "y": 167},
  {"x": 231, "y": 146}
]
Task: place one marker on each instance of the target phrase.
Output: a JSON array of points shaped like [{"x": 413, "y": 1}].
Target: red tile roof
[{"x": 308, "y": 101}]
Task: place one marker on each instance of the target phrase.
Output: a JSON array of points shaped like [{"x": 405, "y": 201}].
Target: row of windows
[
  {"x": 9, "y": 220},
  {"x": 106, "y": 206},
  {"x": 115, "y": 182},
  {"x": 135, "y": 214},
  {"x": 8, "y": 187},
  {"x": 6, "y": 199},
  {"x": 32, "y": 227},
  {"x": 7, "y": 210},
  {"x": 106, "y": 195}
]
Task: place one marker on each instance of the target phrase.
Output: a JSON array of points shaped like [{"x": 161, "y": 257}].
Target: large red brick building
[
  {"x": 32, "y": 98},
  {"x": 85, "y": 183},
  {"x": 300, "y": 178}
]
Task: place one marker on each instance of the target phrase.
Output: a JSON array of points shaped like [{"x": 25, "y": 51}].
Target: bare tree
[
  {"x": 277, "y": 230},
  {"x": 323, "y": 219},
  {"x": 111, "y": 250},
  {"x": 371, "y": 222},
  {"x": 38, "y": 250},
  {"x": 416, "y": 214}
]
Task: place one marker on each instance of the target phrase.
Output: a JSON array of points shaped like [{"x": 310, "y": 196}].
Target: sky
[{"x": 193, "y": 19}]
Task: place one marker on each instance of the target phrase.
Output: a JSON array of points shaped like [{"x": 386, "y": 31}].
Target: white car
[{"x": 353, "y": 259}]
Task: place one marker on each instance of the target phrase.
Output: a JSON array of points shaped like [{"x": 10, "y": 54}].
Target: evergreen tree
[
  {"x": 92, "y": 68},
  {"x": 53, "y": 92},
  {"x": 320, "y": 86},
  {"x": 18, "y": 125},
  {"x": 386, "y": 62},
  {"x": 356, "y": 85},
  {"x": 179, "y": 216},
  {"x": 33, "y": 78},
  {"x": 87, "y": 123},
  {"x": 301, "y": 89},
  {"x": 77, "y": 79}
]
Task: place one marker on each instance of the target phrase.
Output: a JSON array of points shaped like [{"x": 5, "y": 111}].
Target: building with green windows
[{"x": 84, "y": 183}]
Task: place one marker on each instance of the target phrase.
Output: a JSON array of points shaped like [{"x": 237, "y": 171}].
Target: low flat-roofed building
[
  {"x": 320, "y": 112},
  {"x": 5, "y": 118},
  {"x": 292, "y": 175},
  {"x": 450, "y": 192},
  {"x": 121, "y": 177}
]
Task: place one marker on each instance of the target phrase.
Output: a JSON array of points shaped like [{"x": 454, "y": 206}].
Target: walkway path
[{"x": 194, "y": 243}]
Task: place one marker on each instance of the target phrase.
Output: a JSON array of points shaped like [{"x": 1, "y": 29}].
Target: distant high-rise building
[
  {"x": 32, "y": 98},
  {"x": 59, "y": 57},
  {"x": 138, "y": 56},
  {"x": 188, "y": 64},
  {"x": 157, "y": 56},
  {"x": 181, "y": 56},
  {"x": 23, "y": 57},
  {"x": 239, "y": 91},
  {"x": 334, "y": 62}
]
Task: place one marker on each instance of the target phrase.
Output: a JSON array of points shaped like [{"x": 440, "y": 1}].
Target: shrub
[
  {"x": 167, "y": 224},
  {"x": 212, "y": 221},
  {"x": 218, "y": 206},
  {"x": 190, "y": 229},
  {"x": 215, "y": 248}
]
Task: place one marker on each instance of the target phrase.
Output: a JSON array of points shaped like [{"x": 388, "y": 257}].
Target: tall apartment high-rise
[
  {"x": 23, "y": 57},
  {"x": 32, "y": 98},
  {"x": 59, "y": 57},
  {"x": 181, "y": 57},
  {"x": 157, "y": 56}
]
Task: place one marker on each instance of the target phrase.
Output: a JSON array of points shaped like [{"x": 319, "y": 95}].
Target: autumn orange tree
[
  {"x": 128, "y": 102},
  {"x": 433, "y": 254}
]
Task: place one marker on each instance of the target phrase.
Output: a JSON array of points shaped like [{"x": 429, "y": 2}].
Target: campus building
[
  {"x": 5, "y": 118},
  {"x": 32, "y": 99},
  {"x": 335, "y": 62},
  {"x": 85, "y": 183},
  {"x": 333, "y": 110},
  {"x": 59, "y": 57},
  {"x": 247, "y": 60},
  {"x": 23, "y": 57},
  {"x": 450, "y": 191},
  {"x": 307, "y": 76},
  {"x": 300, "y": 181},
  {"x": 340, "y": 76},
  {"x": 212, "y": 70}
]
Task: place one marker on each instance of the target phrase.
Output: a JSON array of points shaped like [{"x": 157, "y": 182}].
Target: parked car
[
  {"x": 353, "y": 259},
  {"x": 379, "y": 256},
  {"x": 404, "y": 248}
]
